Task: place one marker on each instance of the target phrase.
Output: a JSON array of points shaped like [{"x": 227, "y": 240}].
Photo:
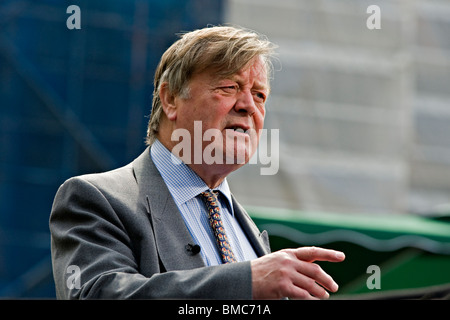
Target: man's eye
[
  {"x": 229, "y": 89},
  {"x": 261, "y": 96}
]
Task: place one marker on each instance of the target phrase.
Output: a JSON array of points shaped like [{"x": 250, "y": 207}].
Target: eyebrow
[{"x": 258, "y": 85}]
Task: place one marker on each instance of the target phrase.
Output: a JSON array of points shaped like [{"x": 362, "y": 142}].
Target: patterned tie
[{"x": 215, "y": 221}]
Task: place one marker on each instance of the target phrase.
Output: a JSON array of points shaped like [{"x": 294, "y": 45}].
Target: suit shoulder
[{"x": 116, "y": 179}]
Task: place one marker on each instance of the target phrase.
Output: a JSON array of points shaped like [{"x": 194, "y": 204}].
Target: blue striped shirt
[{"x": 185, "y": 186}]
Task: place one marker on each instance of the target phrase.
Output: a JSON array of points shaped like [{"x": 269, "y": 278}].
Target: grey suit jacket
[{"x": 124, "y": 234}]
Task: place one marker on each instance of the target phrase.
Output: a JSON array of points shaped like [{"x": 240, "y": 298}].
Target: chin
[{"x": 239, "y": 154}]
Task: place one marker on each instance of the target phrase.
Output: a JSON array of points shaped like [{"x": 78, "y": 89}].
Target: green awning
[{"x": 411, "y": 251}]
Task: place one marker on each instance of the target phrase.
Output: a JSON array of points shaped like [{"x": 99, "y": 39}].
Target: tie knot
[{"x": 210, "y": 196}]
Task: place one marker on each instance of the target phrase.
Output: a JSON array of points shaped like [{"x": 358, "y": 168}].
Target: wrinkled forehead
[{"x": 255, "y": 71}]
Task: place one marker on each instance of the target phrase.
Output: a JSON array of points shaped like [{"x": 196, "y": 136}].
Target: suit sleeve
[{"x": 88, "y": 236}]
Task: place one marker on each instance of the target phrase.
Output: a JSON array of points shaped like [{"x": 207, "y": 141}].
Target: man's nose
[{"x": 245, "y": 102}]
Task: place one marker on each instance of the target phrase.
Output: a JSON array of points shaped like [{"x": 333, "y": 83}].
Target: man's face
[{"x": 232, "y": 106}]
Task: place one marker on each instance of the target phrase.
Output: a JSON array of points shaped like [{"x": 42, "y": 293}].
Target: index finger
[{"x": 311, "y": 254}]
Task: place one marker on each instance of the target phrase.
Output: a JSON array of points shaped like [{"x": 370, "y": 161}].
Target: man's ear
[{"x": 168, "y": 101}]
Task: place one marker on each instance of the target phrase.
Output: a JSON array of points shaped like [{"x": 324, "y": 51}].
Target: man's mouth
[{"x": 238, "y": 129}]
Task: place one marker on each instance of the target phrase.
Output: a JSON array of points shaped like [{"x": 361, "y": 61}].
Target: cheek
[
  {"x": 259, "y": 119},
  {"x": 214, "y": 110}
]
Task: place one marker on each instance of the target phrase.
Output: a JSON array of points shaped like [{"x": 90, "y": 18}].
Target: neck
[{"x": 212, "y": 175}]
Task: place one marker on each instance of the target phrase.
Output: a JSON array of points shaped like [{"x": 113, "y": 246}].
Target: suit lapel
[
  {"x": 171, "y": 233},
  {"x": 259, "y": 240}
]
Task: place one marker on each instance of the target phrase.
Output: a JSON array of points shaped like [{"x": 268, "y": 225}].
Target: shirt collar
[{"x": 182, "y": 182}]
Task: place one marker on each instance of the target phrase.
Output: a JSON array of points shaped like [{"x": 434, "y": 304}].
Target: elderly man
[{"x": 167, "y": 224}]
